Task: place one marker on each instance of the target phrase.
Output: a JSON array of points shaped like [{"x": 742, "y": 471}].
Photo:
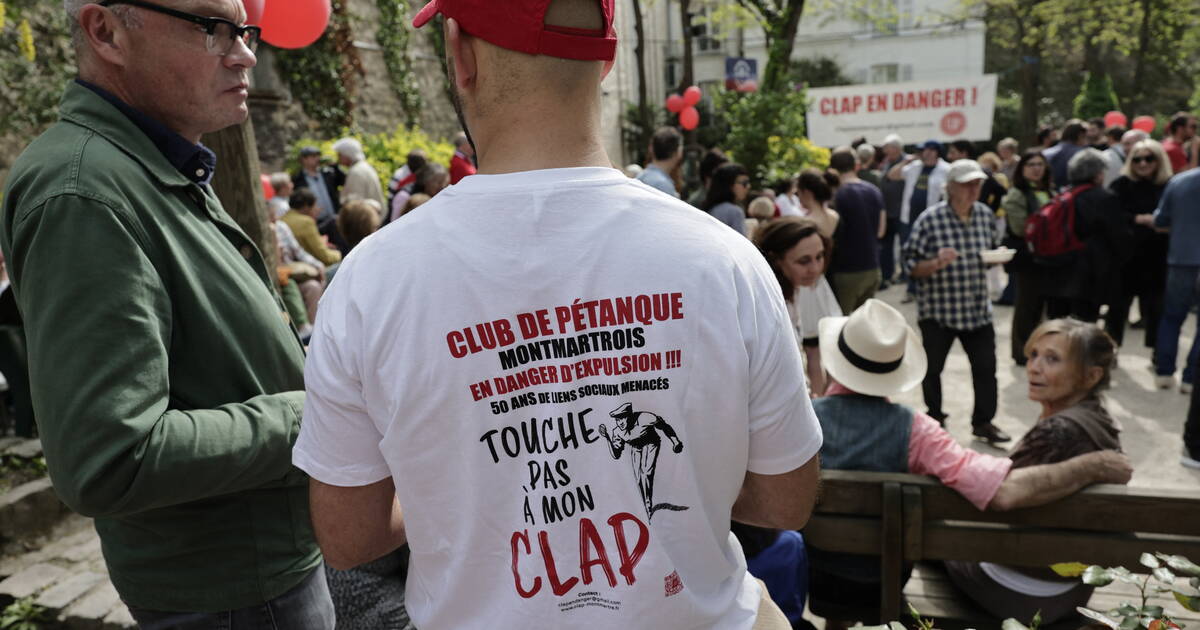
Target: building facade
[{"x": 913, "y": 40}]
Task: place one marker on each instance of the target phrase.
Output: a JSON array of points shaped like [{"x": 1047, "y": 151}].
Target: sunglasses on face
[
  {"x": 1149, "y": 159},
  {"x": 221, "y": 33}
]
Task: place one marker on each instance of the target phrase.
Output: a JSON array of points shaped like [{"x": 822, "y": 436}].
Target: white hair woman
[{"x": 1138, "y": 190}]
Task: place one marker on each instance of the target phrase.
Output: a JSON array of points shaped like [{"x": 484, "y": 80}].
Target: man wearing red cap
[{"x": 527, "y": 301}]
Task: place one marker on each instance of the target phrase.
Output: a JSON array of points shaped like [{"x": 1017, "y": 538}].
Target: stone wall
[{"x": 279, "y": 119}]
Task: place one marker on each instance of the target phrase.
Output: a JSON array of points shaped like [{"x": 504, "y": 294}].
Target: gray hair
[
  {"x": 1007, "y": 143},
  {"x": 72, "y": 7},
  {"x": 1085, "y": 166},
  {"x": 280, "y": 180},
  {"x": 866, "y": 153},
  {"x": 350, "y": 148},
  {"x": 893, "y": 140}
]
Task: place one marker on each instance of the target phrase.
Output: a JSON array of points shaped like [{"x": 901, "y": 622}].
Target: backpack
[{"x": 1050, "y": 233}]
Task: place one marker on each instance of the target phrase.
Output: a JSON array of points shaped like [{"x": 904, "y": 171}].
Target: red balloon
[
  {"x": 1115, "y": 119},
  {"x": 268, "y": 189},
  {"x": 691, "y": 96},
  {"x": 675, "y": 104},
  {"x": 254, "y": 10},
  {"x": 689, "y": 118},
  {"x": 1145, "y": 123},
  {"x": 295, "y": 23}
]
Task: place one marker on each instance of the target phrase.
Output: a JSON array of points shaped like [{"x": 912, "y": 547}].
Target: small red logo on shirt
[{"x": 672, "y": 584}]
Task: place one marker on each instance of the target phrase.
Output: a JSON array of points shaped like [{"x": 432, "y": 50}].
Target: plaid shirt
[{"x": 955, "y": 297}]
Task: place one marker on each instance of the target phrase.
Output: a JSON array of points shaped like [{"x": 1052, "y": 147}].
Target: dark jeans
[
  {"x": 887, "y": 250},
  {"x": 1183, "y": 292},
  {"x": 1150, "y": 303},
  {"x": 305, "y": 607},
  {"x": 1191, "y": 428},
  {"x": 1028, "y": 306},
  {"x": 905, "y": 230},
  {"x": 980, "y": 346},
  {"x": 1080, "y": 308}
]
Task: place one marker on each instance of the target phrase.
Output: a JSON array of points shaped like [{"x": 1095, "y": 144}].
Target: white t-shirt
[
  {"x": 810, "y": 305},
  {"x": 521, "y": 313}
]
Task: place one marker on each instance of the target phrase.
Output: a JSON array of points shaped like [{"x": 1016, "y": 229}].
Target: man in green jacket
[{"x": 165, "y": 375}]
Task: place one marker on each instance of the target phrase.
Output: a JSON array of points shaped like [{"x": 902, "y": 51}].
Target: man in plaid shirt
[{"x": 942, "y": 254}]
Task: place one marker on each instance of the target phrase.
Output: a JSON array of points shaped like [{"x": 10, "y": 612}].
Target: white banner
[{"x": 943, "y": 110}]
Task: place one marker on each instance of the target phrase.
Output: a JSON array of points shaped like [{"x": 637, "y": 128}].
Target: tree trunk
[
  {"x": 687, "y": 76},
  {"x": 645, "y": 116},
  {"x": 782, "y": 38},
  {"x": 1136, "y": 95},
  {"x": 238, "y": 185}
]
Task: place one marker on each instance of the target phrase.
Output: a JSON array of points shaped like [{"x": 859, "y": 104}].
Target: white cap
[
  {"x": 963, "y": 171},
  {"x": 893, "y": 139}
]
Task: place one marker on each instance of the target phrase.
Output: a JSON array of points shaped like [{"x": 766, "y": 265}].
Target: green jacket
[{"x": 166, "y": 378}]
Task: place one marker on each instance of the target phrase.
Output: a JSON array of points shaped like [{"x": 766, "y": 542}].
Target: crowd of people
[
  {"x": 332, "y": 443},
  {"x": 888, "y": 216}
]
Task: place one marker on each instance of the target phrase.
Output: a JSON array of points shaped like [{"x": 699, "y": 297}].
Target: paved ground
[
  {"x": 1152, "y": 419},
  {"x": 67, "y": 575}
]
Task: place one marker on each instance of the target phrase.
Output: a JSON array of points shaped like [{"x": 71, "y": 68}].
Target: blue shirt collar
[{"x": 194, "y": 161}]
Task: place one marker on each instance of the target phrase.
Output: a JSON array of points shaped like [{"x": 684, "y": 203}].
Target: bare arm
[
  {"x": 1038, "y": 485},
  {"x": 816, "y": 371},
  {"x": 882, "y": 224},
  {"x": 779, "y": 501},
  {"x": 355, "y": 525},
  {"x": 927, "y": 268},
  {"x": 895, "y": 173}
]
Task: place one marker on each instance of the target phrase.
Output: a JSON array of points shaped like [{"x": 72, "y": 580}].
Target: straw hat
[{"x": 873, "y": 351}]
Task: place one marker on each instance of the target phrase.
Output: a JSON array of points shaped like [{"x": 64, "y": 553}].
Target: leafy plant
[
  {"x": 1164, "y": 571},
  {"x": 22, "y": 614},
  {"x": 1097, "y": 96},
  {"x": 393, "y": 37},
  {"x": 36, "y": 61},
  {"x": 766, "y": 133},
  {"x": 323, "y": 75},
  {"x": 386, "y": 152}
]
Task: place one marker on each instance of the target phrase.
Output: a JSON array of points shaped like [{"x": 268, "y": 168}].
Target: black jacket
[{"x": 334, "y": 178}]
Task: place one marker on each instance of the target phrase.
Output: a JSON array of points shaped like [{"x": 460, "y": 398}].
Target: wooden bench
[{"x": 910, "y": 518}]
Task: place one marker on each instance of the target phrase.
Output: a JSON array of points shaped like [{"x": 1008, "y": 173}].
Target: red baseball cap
[{"x": 520, "y": 25}]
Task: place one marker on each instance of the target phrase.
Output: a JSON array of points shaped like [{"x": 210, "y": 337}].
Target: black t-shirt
[{"x": 856, "y": 244}]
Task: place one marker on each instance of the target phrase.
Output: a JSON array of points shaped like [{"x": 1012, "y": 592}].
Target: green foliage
[
  {"x": 393, "y": 36},
  {"x": 818, "y": 72},
  {"x": 386, "y": 152},
  {"x": 31, "y": 87},
  {"x": 1097, "y": 97},
  {"x": 22, "y": 614},
  {"x": 766, "y": 133},
  {"x": 322, "y": 76},
  {"x": 1165, "y": 573}
]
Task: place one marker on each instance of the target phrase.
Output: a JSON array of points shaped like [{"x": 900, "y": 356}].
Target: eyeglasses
[
  {"x": 743, "y": 182},
  {"x": 221, "y": 32},
  {"x": 1143, "y": 158},
  {"x": 1035, "y": 165}
]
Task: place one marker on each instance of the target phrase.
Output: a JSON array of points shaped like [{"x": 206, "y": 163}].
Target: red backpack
[{"x": 1050, "y": 232}]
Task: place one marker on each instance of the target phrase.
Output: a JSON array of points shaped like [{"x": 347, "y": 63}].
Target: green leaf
[
  {"x": 1069, "y": 569},
  {"x": 1163, "y": 574},
  {"x": 1148, "y": 560},
  {"x": 1152, "y": 610},
  {"x": 1130, "y": 623},
  {"x": 1188, "y": 601},
  {"x": 1181, "y": 564},
  {"x": 1125, "y": 610},
  {"x": 1098, "y": 576},
  {"x": 1195, "y": 582},
  {"x": 1091, "y": 614}
]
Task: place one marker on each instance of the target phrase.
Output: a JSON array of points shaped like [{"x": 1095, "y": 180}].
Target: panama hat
[{"x": 873, "y": 351}]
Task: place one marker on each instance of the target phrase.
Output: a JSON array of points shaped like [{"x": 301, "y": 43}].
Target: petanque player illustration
[{"x": 639, "y": 431}]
